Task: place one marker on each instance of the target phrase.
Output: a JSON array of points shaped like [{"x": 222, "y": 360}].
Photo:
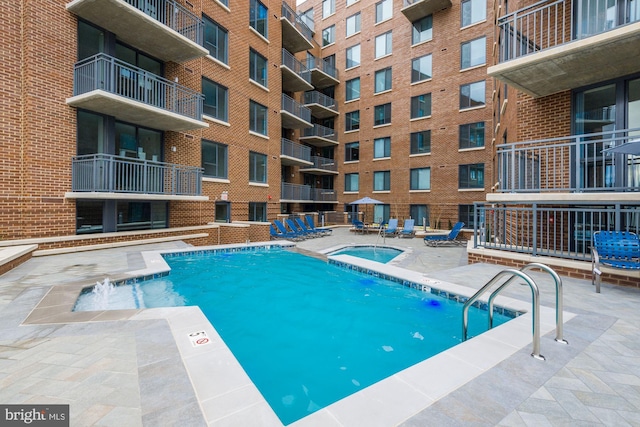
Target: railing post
[{"x": 534, "y": 209}]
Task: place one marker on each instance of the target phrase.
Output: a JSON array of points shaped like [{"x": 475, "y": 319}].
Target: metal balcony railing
[
  {"x": 322, "y": 163},
  {"x": 306, "y": 193},
  {"x": 320, "y": 131},
  {"x": 575, "y": 163},
  {"x": 297, "y": 22},
  {"x": 323, "y": 66},
  {"x": 557, "y": 231},
  {"x": 295, "y": 150},
  {"x": 290, "y": 61},
  {"x": 315, "y": 97},
  {"x": 104, "y": 72},
  {"x": 173, "y": 15},
  {"x": 115, "y": 174},
  {"x": 294, "y": 107},
  {"x": 547, "y": 24}
]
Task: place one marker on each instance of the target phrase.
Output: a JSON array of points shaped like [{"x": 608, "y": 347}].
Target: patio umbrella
[
  {"x": 631, "y": 147},
  {"x": 366, "y": 201}
]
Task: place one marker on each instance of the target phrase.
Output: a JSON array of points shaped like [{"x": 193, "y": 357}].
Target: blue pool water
[
  {"x": 372, "y": 253},
  {"x": 309, "y": 333}
]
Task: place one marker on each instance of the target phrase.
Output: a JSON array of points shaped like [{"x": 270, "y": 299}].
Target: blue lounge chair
[
  {"x": 279, "y": 235},
  {"x": 292, "y": 235},
  {"x": 407, "y": 228},
  {"x": 445, "y": 239},
  {"x": 617, "y": 249},
  {"x": 296, "y": 229},
  {"x": 392, "y": 228},
  {"x": 313, "y": 233},
  {"x": 312, "y": 226},
  {"x": 359, "y": 226}
]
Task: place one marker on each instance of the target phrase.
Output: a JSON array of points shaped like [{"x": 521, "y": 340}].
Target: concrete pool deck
[{"x": 136, "y": 372}]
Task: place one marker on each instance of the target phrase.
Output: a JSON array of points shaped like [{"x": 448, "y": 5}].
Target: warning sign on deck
[{"x": 199, "y": 338}]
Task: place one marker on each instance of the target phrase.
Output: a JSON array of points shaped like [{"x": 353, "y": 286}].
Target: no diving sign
[{"x": 199, "y": 338}]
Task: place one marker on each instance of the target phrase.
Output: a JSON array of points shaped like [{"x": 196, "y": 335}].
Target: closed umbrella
[{"x": 366, "y": 201}]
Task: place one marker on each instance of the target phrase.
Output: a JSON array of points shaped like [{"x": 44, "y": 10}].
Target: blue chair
[
  {"x": 407, "y": 228},
  {"x": 312, "y": 226},
  {"x": 445, "y": 239},
  {"x": 294, "y": 228},
  {"x": 279, "y": 235},
  {"x": 392, "y": 228},
  {"x": 313, "y": 233},
  {"x": 358, "y": 226},
  {"x": 617, "y": 249},
  {"x": 292, "y": 235}
]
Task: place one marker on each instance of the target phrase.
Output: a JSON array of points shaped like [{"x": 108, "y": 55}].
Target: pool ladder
[{"x": 535, "y": 294}]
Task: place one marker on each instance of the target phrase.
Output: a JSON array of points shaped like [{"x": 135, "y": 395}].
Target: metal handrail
[
  {"x": 322, "y": 65},
  {"x": 315, "y": 97},
  {"x": 290, "y": 61},
  {"x": 294, "y": 18},
  {"x": 323, "y": 163},
  {"x": 320, "y": 131},
  {"x": 292, "y": 106},
  {"x": 293, "y": 149},
  {"x": 173, "y": 15}
]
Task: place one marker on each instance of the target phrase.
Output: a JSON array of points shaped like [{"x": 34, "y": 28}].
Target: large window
[
  {"x": 471, "y": 176},
  {"x": 421, "y": 106},
  {"x": 216, "y": 100},
  {"x": 383, "y": 45},
  {"x": 472, "y": 95},
  {"x": 352, "y": 121},
  {"x": 257, "y": 167},
  {"x": 257, "y": 68},
  {"x": 216, "y": 40},
  {"x": 420, "y": 213},
  {"x": 353, "y": 24},
  {"x": 352, "y": 88},
  {"x": 466, "y": 215},
  {"x": 353, "y": 56},
  {"x": 421, "y": 142},
  {"x": 352, "y": 151},
  {"x": 382, "y": 80},
  {"x": 214, "y": 159},
  {"x": 257, "y": 211},
  {"x": 382, "y": 181},
  {"x": 384, "y": 10},
  {"x": 420, "y": 179},
  {"x": 382, "y": 148},
  {"x": 351, "y": 182},
  {"x": 422, "y": 30},
  {"x": 258, "y": 17},
  {"x": 328, "y": 7},
  {"x": 473, "y": 53},
  {"x": 421, "y": 68},
  {"x": 328, "y": 35},
  {"x": 471, "y": 135},
  {"x": 382, "y": 114},
  {"x": 257, "y": 118},
  {"x": 473, "y": 11}
]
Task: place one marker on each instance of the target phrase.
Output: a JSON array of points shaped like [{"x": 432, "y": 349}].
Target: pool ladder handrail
[{"x": 535, "y": 293}]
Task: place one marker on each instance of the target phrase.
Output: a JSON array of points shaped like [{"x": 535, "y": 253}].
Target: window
[
  {"x": 350, "y": 2},
  {"x": 384, "y": 10},
  {"x": 307, "y": 18},
  {"x": 472, "y": 95},
  {"x": 351, "y": 182},
  {"x": 382, "y": 114},
  {"x": 383, "y": 45},
  {"x": 381, "y": 213},
  {"x": 328, "y": 7},
  {"x": 382, "y": 181},
  {"x": 471, "y": 176},
  {"x": 257, "y": 68},
  {"x": 328, "y": 35},
  {"x": 471, "y": 135},
  {"x": 224, "y": 2},
  {"x": 216, "y": 100},
  {"x": 420, "y": 213},
  {"x": 420, "y": 179},
  {"x": 258, "y": 17},
  {"x": 352, "y": 88},
  {"x": 473, "y": 53},
  {"x": 421, "y": 106},
  {"x": 352, "y": 151},
  {"x": 421, "y": 142},
  {"x": 216, "y": 40},
  {"x": 257, "y": 118},
  {"x": 257, "y": 211},
  {"x": 352, "y": 121},
  {"x": 466, "y": 214},
  {"x": 257, "y": 167},
  {"x": 214, "y": 159},
  {"x": 473, "y": 11},
  {"x": 382, "y": 148},
  {"x": 422, "y": 30},
  {"x": 382, "y": 80},
  {"x": 353, "y": 24},
  {"x": 353, "y": 56},
  {"x": 421, "y": 68}
]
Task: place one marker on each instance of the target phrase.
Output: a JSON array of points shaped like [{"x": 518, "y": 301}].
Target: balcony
[
  {"x": 321, "y": 105},
  {"x": 296, "y": 36},
  {"x": 573, "y": 168},
  {"x": 162, "y": 28},
  {"x": 319, "y": 136},
  {"x": 543, "y": 50},
  {"x": 321, "y": 166},
  {"x": 293, "y": 114},
  {"x": 296, "y": 193},
  {"x": 295, "y": 76},
  {"x": 109, "y": 86},
  {"x": 418, "y": 9},
  {"x": 99, "y": 176},
  {"x": 294, "y": 154},
  {"x": 323, "y": 74}
]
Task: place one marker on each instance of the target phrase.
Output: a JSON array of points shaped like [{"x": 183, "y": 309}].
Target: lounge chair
[
  {"x": 296, "y": 229},
  {"x": 279, "y": 235},
  {"x": 313, "y": 233},
  {"x": 445, "y": 239},
  {"x": 292, "y": 235},
  {"x": 392, "y": 227},
  {"x": 312, "y": 226},
  {"x": 407, "y": 228},
  {"x": 617, "y": 249},
  {"x": 359, "y": 226}
]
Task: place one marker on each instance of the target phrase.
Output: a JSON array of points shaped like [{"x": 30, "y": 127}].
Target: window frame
[
  {"x": 388, "y": 44},
  {"x": 254, "y": 167},
  {"x": 357, "y": 24},
  {"x": 254, "y": 68},
  {"x": 464, "y": 5},
  {"x": 352, "y": 121},
  {"x": 328, "y": 35},
  {"x": 468, "y": 130},
  {"x": 221, "y": 150},
  {"x": 386, "y": 83},
  {"x": 221, "y": 113},
  {"x": 385, "y": 141},
  {"x": 417, "y": 142},
  {"x": 349, "y": 179},
  {"x": 326, "y": 12},
  {"x": 466, "y": 171},
  {"x": 381, "y": 7},
  {"x": 415, "y": 182},
  {"x": 469, "y": 53},
  {"x": 255, "y": 17},
  {"x": 418, "y": 72},
  {"x": 347, "y": 59},
  {"x": 386, "y": 180},
  {"x": 385, "y": 115},
  {"x": 219, "y": 30},
  {"x": 352, "y": 151},
  {"x": 350, "y": 90},
  {"x": 254, "y": 214},
  {"x": 468, "y": 97},
  {"x": 254, "y": 117},
  {"x": 415, "y": 103},
  {"x": 421, "y": 35}
]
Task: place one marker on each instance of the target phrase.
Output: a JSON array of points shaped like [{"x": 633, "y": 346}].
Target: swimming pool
[
  {"x": 381, "y": 254},
  {"x": 307, "y": 340}
]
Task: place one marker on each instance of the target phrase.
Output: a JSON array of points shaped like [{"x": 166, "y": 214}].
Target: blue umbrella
[{"x": 366, "y": 201}]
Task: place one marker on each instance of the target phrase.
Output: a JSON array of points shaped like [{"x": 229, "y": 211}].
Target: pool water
[
  {"x": 306, "y": 332},
  {"x": 372, "y": 253}
]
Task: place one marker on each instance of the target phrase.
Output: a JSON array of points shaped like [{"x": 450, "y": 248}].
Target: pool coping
[{"x": 233, "y": 398}]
